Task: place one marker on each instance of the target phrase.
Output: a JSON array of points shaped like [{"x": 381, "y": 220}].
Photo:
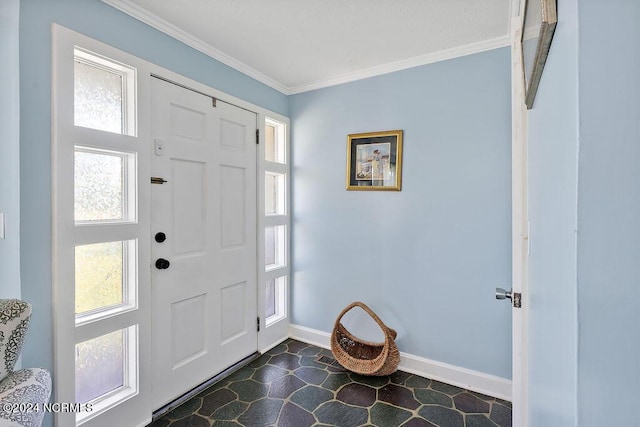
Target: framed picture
[
  {"x": 540, "y": 20},
  {"x": 374, "y": 161}
]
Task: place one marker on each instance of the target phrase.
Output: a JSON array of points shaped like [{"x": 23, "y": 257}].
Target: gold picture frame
[
  {"x": 540, "y": 20},
  {"x": 374, "y": 161}
]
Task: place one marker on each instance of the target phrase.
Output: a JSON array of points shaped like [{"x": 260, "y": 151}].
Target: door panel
[
  {"x": 237, "y": 229},
  {"x": 189, "y": 209},
  {"x": 204, "y": 301},
  {"x": 233, "y": 215}
]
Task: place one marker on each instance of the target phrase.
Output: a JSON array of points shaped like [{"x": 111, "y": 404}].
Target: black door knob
[
  {"x": 160, "y": 237},
  {"x": 162, "y": 264}
]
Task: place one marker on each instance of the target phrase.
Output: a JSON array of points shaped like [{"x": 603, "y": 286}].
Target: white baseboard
[{"x": 480, "y": 382}]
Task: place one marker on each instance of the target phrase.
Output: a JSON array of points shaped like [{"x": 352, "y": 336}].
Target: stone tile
[
  {"x": 268, "y": 373},
  {"x": 501, "y": 415},
  {"x": 398, "y": 396},
  {"x": 216, "y": 400},
  {"x": 445, "y": 388},
  {"x": 505, "y": 403},
  {"x": 367, "y": 380},
  {"x": 310, "y": 397},
  {"x": 482, "y": 396},
  {"x": 477, "y": 420},
  {"x": 417, "y": 382},
  {"x": 310, "y": 351},
  {"x": 335, "y": 381},
  {"x": 263, "y": 412},
  {"x": 442, "y": 416},
  {"x": 387, "y": 415},
  {"x": 432, "y": 397},
  {"x": 240, "y": 374},
  {"x": 229, "y": 411},
  {"x": 280, "y": 348},
  {"x": 260, "y": 361},
  {"x": 357, "y": 394},
  {"x": 418, "y": 422},
  {"x": 294, "y": 416},
  {"x": 312, "y": 375},
  {"x": 283, "y": 387},
  {"x": 466, "y": 402},
  {"x": 249, "y": 390},
  {"x": 311, "y": 361},
  {"x": 217, "y": 386},
  {"x": 191, "y": 421},
  {"x": 339, "y": 414},
  {"x": 296, "y": 346},
  {"x": 285, "y": 361},
  {"x": 241, "y": 398},
  {"x": 399, "y": 377},
  {"x": 160, "y": 422},
  {"x": 187, "y": 408}
]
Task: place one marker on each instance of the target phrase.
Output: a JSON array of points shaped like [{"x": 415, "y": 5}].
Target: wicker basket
[{"x": 363, "y": 357}]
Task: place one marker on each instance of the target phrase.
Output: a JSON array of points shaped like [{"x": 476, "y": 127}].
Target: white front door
[{"x": 204, "y": 272}]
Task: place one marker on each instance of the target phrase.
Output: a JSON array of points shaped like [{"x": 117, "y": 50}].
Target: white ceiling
[{"x": 299, "y": 45}]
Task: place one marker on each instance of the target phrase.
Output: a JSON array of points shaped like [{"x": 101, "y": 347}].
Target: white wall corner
[{"x": 479, "y": 382}]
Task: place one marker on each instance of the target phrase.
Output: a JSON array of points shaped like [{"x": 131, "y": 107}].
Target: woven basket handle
[{"x": 387, "y": 330}]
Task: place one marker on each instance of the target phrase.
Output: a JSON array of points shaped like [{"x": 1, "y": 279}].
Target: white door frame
[
  {"x": 66, "y": 235},
  {"x": 520, "y": 226},
  {"x": 64, "y": 330}
]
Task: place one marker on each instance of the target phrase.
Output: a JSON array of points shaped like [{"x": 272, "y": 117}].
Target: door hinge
[
  {"x": 517, "y": 300},
  {"x": 257, "y": 136},
  {"x": 258, "y": 324},
  {"x": 214, "y": 101}
]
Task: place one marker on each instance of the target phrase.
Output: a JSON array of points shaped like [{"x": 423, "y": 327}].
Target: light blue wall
[
  {"x": 97, "y": 20},
  {"x": 609, "y": 213},
  {"x": 10, "y": 149},
  {"x": 553, "y": 157},
  {"x": 427, "y": 258}
]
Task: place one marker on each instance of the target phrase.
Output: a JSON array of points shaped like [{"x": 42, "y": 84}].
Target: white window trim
[
  {"x": 129, "y": 77},
  {"x": 132, "y": 401},
  {"x": 275, "y": 329}
]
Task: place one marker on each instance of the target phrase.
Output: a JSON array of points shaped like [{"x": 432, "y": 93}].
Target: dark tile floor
[{"x": 299, "y": 385}]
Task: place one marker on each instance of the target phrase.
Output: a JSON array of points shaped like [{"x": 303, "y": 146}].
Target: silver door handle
[{"x": 502, "y": 294}]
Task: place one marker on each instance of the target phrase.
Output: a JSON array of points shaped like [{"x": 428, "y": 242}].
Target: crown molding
[
  {"x": 404, "y": 64},
  {"x": 160, "y": 24}
]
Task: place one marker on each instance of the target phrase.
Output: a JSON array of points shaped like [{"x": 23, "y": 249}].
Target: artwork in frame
[
  {"x": 540, "y": 20},
  {"x": 374, "y": 161}
]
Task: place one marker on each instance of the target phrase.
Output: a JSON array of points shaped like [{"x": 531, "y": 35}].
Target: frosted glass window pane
[
  {"x": 274, "y": 194},
  {"x": 99, "y": 276},
  {"x": 274, "y": 246},
  {"x": 270, "y": 298},
  {"x": 99, "y": 186},
  {"x": 274, "y": 143},
  {"x": 270, "y": 143},
  {"x": 98, "y": 100},
  {"x": 100, "y": 366},
  {"x": 275, "y": 299}
]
